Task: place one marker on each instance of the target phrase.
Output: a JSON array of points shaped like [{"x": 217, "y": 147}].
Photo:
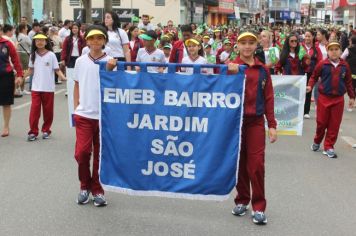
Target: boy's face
[
  {"x": 334, "y": 52},
  {"x": 166, "y": 51},
  {"x": 149, "y": 43},
  {"x": 207, "y": 50},
  {"x": 227, "y": 47},
  {"x": 205, "y": 40},
  {"x": 96, "y": 42},
  {"x": 247, "y": 46}
]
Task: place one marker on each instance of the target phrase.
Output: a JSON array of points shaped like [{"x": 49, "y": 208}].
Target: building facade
[{"x": 284, "y": 11}]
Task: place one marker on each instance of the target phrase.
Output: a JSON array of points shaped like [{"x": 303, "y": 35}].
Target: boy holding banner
[
  {"x": 258, "y": 103},
  {"x": 86, "y": 105},
  {"x": 335, "y": 81}
]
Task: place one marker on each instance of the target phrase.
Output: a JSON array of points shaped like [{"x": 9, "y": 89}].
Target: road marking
[
  {"x": 349, "y": 140},
  {"x": 29, "y": 103}
]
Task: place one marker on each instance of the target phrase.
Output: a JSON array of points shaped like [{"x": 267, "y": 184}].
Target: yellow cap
[
  {"x": 40, "y": 36},
  {"x": 206, "y": 37},
  {"x": 95, "y": 32},
  {"x": 196, "y": 42},
  {"x": 333, "y": 44},
  {"x": 216, "y": 30},
  {"x": 246, "y": 34}
]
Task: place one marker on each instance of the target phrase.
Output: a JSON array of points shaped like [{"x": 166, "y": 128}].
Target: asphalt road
[{"x": 307, "y": 194}]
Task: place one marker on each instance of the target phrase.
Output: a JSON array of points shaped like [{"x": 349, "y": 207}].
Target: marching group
[{"x": 41, "y": 53}]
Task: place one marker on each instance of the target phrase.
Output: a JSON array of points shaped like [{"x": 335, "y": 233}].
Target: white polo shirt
[
  {"x": 86, "y": 73},
  {"x": 155, "y": 56},
  {"x": 43, "y": 72},
  {"x": 199, "y": 60},
  {"x": 116, "y": 41},
  {"x": 63, "y": 33}
]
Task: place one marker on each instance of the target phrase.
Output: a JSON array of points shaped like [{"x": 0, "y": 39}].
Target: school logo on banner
[
  {"x": 289, "y": 97},
  {"x": 170, "y": 134}
]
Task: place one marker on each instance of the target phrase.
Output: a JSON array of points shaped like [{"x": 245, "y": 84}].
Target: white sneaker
[
  {"x": 349, "y": 109},
  {"x": 25, "y": 92},
  {"x": 307, "y": 116}
]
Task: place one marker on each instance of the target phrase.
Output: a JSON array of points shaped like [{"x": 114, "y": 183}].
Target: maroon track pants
[
  {"x": 87, "y": 142},
  {"x": 252, "y": 164}
]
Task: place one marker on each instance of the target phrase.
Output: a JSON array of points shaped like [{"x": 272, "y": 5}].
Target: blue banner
[{"x": 170, "y": 134}]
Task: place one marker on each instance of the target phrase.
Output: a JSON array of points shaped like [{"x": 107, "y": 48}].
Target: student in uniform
[
  {"x": 315, "y": 56},
  {"x": 210, "y": 58},
  {"x": 290, "y": 62},
  {"x": 86, "y": 105},
  {"x": 195, "y": 56},
  {"x": 335, "y": 81},
  {"x": 149, "y": 53},
  {"x": 258, "y": 105},
  {"x": 167, "y": 51},
  {"x": 225, "y": 55},
  {"x": 179, "y": 49},
  {"x": 118, "y": 38},
  {"x": 72, "y": 46},
  {"x": 43, "y": 63}
]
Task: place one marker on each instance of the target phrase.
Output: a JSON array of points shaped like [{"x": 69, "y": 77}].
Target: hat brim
[
  {"x": 145, "y": 37},
  {"x": 40, "y": 36},
  {"x": 196, "y": 42},
  {"x": 95, "y": 32},
  {"x": 245, "y": 35},
  {"x": 333, "y": 44}
]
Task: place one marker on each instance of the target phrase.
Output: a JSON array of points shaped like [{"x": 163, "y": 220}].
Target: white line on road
[
  {"x": 29, "y": 103},
  {"x": 349, "y": 140}
]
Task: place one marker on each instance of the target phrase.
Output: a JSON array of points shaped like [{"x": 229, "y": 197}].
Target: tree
[
  {"x": 107, "y": 5},
  {"x": 53, "y": 8},
  {"x": 87, "y": 8},
  {"x": 4, "y": 13},
  {"x": 26, "y": 9}
]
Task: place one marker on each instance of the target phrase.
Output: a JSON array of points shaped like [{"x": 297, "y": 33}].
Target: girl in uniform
[
  {"x": 43, "y": 63},
  {"x": 195, "y": 56},
  {"x": 258, "y": 105},
  {"x": 315, "y": 56},
  {"x": 291, "y": 61}
]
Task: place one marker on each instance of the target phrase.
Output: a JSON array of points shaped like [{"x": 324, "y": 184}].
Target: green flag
[
  {"x": 211, "y": 59},
  {"x": 233, "y": 56},
  {"x": 301, "y": 53},
  {"x": 272, "y": 55}
]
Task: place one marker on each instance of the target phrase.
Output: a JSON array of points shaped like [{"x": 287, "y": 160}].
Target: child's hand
[
  {"x": 18, "y": 81},
  {"x": 111, "y": 64},
  {"x": 308, "y": 89},
  {"x": 234, "y": 68},
  {"x": 351, "y": 103},
  {"x": 307, "y": 59},
  {"x": 272, "y": 133}
]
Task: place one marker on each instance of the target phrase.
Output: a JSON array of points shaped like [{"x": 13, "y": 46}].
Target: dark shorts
[{"x": 7, "y": 89}]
